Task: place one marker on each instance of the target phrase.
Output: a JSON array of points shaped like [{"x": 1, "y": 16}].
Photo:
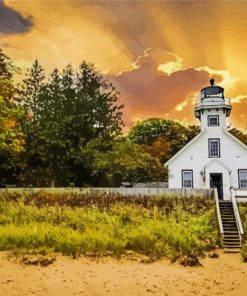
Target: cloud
[
  {"x": 159, "y": 85},
  {"x": 11, "y": 21}
]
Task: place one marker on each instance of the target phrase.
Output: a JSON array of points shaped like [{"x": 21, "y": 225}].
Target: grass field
[
  {"x": 243, "y": 215},
  {"x": 163, "y": 226}
]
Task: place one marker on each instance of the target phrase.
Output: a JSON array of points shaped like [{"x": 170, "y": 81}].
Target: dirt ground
[{"x": 225, "y": 275}]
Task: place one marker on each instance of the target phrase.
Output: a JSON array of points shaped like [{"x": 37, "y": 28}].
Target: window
[
  {"x": 214, "y": 148},
  {"x": 187, "y": 178},
  {"x": 213, "y": 120},
  {"x": 242, "y": 176}
]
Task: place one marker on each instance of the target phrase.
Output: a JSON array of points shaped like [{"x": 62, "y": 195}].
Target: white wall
[
  {"x": 206, "y": 112},
  {"x": 195, "y": 157}
]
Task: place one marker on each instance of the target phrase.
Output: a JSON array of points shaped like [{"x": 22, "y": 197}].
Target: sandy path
[{"x": 224, "y": 276}]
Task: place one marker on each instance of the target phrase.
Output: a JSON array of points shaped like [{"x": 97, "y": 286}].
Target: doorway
[{"x": 216, "y": 181}]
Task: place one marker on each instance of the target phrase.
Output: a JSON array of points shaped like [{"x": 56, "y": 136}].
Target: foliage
[
  {"x": 171, "y": 136},
  {"x": 243, "y": 215},
  {"x": 116, "y": 228},
  {"x": 193, "y": 204},
  {"x": 125, "y": 163},
  {"x": 160, "y": 148},
  {"x": 11, "y": 114},
  {"x": 241, "y": 135},
  {"x": 67, "y": 111}
]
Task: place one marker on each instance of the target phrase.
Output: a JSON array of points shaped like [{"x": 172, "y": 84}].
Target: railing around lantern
[{"x": 213, "y": 102}]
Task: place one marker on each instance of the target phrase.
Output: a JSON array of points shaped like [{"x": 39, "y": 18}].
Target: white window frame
[
  {"x": 210, "y": 117},
  {"x": 242, "y": 181},
  {"x": 187, "y": 182},
  {"x": 213, "y": 150}
]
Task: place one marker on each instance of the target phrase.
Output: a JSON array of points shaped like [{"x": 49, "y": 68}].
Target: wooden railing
[
  {"x": 236, "y": 212},
  {"x": 218, "y": 210}
]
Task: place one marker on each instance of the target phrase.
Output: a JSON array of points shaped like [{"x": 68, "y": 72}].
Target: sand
[{"x": 226, "y": 275}]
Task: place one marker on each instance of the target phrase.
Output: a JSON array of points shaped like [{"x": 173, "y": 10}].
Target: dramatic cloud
[
  {"x": 155, "y": 89},
  {"x": 11, "y": 21},
  {"x": 158, "y": 53}
]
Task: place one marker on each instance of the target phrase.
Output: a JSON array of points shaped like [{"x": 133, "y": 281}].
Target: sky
[{"x": 158, "y": 54}]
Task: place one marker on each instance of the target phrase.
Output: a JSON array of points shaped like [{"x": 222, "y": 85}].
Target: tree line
[{"x": 65, "y": 129}]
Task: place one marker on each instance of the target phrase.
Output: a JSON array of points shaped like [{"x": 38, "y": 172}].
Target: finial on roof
[{"x": 212, "y": 82}]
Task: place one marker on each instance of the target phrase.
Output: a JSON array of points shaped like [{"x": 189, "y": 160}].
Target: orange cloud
[
  {"x": 148, "y": 90},
  {"x": 158, "y": 53}
]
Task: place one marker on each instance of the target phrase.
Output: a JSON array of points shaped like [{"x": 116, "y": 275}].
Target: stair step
[
  {"x": 237, "y": 250},
  {"x": 228, "y": 211},
  {"x": 231, "y": 242},
  {"x": 231, "y": 246},
  {"x": 231, "y": 232},
  {"x": 230, "y": 225},
  {"x": 227, "y": 217}
]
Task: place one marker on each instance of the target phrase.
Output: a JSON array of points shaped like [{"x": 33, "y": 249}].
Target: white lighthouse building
[{"x": 214, "y": 158}]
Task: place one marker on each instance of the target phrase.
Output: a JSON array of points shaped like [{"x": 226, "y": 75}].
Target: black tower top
[{"x": 212, "y": 91}]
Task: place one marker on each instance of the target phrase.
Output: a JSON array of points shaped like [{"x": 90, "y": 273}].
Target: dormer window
[{"x": 213, "y": 120}]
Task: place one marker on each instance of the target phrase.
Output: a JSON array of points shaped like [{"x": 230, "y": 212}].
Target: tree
[
  {"x": 11, "y": 136},
  {"x": 160, "y": 148},
  {"x": 241, "y": 135},
  {"x": 172, "y": 134},
  {"x": 126, "y": 163},
  {"x": 67, "y": 111}
]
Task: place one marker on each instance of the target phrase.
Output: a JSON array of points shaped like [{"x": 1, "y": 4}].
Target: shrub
[{"x": 160, "y": 227}]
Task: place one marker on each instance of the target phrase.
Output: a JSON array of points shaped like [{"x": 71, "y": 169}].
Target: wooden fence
[{"x": 120, "y": 190}]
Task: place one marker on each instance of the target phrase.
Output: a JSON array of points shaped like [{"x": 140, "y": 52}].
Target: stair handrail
[
  {"x": 218, "y": 210},
  {"x": 236, "y": 212}
]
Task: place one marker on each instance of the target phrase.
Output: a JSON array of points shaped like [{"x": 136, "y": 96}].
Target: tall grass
[
  {"x": 243, "y": 215},
  {"x": 168, "y": 230}
]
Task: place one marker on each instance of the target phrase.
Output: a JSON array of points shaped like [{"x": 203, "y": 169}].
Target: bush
[
  {"x": 159, "y": 227},
  {"x": 244, "y": 252}
]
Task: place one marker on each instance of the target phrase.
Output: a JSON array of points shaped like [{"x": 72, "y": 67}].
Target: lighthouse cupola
[{"x": 212, "y": 107}]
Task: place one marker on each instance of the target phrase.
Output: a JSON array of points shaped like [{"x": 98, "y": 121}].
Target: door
[{"x": 216, "y": 181}]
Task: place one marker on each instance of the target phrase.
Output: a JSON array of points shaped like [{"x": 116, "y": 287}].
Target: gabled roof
[
  {"x": 235, "y": 139},
  {"x": 198, "y": 136},
  {"x": 219, "y": 162},
  {"x": 185, "y": 147}
]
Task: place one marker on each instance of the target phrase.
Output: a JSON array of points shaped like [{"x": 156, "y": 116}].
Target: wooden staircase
[{"x": 231, "y": 236}]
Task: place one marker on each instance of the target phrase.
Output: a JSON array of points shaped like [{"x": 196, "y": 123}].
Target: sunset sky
[{"x": 158, "y": 54}]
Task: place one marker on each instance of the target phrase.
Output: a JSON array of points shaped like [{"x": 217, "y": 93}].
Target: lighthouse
[
  {"x": 213, "y": 108},
  {"x": 214, "y": 158}
]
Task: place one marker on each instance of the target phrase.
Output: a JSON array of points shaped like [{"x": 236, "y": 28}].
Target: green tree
[
  {"x": 67, "y": 111},
  {"x": 173, "y": 133},
  {"x": 241, "y": 135},
  {"x": 11, "y": 136},
  {"x": 125, "y": 163},
  {"x": 160, "y": 148}
]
